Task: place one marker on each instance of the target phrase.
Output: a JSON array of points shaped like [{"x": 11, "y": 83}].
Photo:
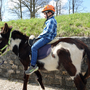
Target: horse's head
[{"x": 4, "y": 37}]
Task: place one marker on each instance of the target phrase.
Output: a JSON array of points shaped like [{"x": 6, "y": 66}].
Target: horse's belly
[{"x": 50, "y": 63}]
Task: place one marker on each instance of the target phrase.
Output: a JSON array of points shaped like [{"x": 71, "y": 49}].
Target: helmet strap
[{"x": 47, "y": 18}]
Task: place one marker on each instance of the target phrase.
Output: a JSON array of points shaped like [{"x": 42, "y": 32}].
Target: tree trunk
[
  {"x": 20, "y": 10},
  {"x": 33, "y": 8},
  {"x": 60, "y": 8},
  {"x": 69, "y": 7},
  {"x": 73, "y": 6},
  {"x": 1, "y": 11},
  {"x": 31, "y": 13},
  {"x": 57, "y": 8}
]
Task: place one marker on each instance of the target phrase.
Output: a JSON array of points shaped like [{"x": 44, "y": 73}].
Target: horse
[{"x": 66, "y": 51}]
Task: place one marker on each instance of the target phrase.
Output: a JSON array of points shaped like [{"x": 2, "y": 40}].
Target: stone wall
[{"x": 13, "y": 69}]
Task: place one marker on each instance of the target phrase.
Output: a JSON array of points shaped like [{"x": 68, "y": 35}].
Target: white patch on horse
[
  {"x": 14, "y": 42},
  {"x": 0, "y": 37},
  {"x": 75, "y": 53},
  {"x": 50, "y": 63}
]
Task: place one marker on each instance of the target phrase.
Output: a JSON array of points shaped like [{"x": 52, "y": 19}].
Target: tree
[
  {"x": 0, "y": 10},
  {"x": 59, "y": 7},
  {"x": 31, "y": 7},
  {"x": 69, "y": 5},
  {"x": 34, "y": 5},
  {"x": 17, "y": 8},
  {"x": 73, "y": 4},
  {"x": 77, "y": 5}
]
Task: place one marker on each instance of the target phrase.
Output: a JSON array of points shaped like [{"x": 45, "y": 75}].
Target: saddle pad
[{"x": 44, "y": 51}]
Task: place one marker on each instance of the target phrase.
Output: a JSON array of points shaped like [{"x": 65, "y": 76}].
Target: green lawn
[{"x": 67, "y": 25}]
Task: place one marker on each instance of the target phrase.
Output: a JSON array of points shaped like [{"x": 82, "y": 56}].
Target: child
[{"x": 48, "y": 34}]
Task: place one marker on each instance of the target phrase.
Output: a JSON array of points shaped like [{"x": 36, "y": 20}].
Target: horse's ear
[
  {"x": 5, "y": 25},
  {"x": 5, "y": 28}
]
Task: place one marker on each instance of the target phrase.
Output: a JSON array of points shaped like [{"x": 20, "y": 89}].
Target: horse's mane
[{"x": 16, "y": 32}]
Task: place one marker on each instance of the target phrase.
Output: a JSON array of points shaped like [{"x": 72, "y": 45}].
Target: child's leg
[{"x": 41, "y": 42}]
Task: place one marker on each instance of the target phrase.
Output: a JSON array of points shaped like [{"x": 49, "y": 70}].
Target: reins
[{"x": 5, "y": 47}]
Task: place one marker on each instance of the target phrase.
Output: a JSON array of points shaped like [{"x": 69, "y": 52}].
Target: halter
[{"x": 6, "y": 44}]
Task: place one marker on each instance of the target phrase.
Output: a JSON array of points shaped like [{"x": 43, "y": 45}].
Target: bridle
[
  {"x": 5, "y": 47},
  {"x": 6, "y": 44}
]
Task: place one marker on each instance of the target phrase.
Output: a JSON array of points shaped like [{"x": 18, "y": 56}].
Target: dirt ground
[{"x": 17, "y": 85}]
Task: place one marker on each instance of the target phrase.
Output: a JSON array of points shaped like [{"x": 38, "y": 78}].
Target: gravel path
[{"x": 17, "y": 85}]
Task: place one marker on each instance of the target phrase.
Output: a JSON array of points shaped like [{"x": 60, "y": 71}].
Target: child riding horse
[{"x": 45, "y": 37}]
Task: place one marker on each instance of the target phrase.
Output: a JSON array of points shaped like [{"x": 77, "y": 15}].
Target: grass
[
  {"x": 74, "y": 25},
  {"x": 67, "y": 25}
]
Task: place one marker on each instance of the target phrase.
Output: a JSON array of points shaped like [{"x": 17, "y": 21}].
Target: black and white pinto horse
[{"x": 67, "y": 51}]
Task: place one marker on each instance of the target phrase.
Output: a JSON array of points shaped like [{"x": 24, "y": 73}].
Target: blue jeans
[{"x": 34, "y": 49}]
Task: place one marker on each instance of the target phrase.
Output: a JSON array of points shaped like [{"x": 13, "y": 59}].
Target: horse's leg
[
  {"x": 80, "y": 82},
  {"x": 39, "y": 79},
  {"x": 26, "y": 77}
]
